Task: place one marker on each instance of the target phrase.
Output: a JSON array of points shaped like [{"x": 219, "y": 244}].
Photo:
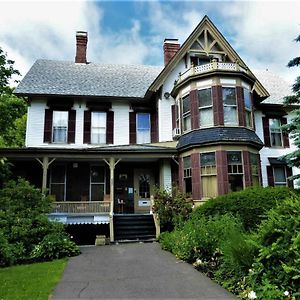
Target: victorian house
[{"x": 100, "y": 137}]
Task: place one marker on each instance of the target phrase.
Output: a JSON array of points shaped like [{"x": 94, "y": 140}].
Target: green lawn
[{"x": 30, "y": 282}]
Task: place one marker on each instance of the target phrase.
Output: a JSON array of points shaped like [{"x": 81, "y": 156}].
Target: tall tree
[
  {"x": 293, "y": 128},
  {"x": 12, "y": 108}
]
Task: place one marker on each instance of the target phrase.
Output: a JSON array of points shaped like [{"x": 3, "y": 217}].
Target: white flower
[
  {"x": 198, "y": 261},
  {"x": 250, "y": 270},
  {"x": 252, "y": 295},
  {"x": 286, "y": 293}
]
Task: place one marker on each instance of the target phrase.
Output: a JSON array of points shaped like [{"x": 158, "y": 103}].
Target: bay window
[
  {"x": 98, "y": 128},
  {"x": 205, "y": 107},
  {"x": 235, "y": 171},
  {"x": 248, "y": 108},
  {"x": 60, "y": 126},
  {"x": 187, "y": 174},
  {"x": 254, "y": 162},
  {"x": 229, "y": 105},
  {"x": 186, "y": 113},
  {"x": 208, "y": 174}
]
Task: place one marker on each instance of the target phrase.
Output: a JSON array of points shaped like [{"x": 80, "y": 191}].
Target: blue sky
[{"x": 132, "y": 32}]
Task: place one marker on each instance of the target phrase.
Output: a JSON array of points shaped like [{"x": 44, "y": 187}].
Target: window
[
  {"x": 199, "y": 61},
  {"x": 248, "y": 108},
  {"x": 230, "y": 106},
  {"x": 143, "y": 130},
  {"x": 58, "y": 182},
  {"x": 60, "y": 126},
  {"x": 279, "y": 175},
  {"x": 187, "y": 174},
  {"x": 144, "y": 186},
  {"x": 208, "y": 174},
  {"x": 235, "y": 171},
  {"x": 275, "y": 132},
  {"x": 254, "y": 162},
  {"x": 97, "y": 183},
  {"x": 205, "y": 107},
  {"x": 186, "y": 113},
  {"x": 98, "y": 128}
]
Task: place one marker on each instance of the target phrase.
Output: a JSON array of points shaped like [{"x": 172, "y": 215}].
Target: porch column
[
  {"x": 112, "y": 176},
  {"x": 45, "y": 172},
  {"x": 45, "y": 165}
]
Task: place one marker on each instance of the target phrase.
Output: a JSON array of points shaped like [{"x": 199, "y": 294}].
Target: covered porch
[{"x": 90, "y": 186}]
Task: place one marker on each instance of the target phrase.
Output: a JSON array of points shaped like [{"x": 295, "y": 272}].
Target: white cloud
[{"x": 264, "y": 32}]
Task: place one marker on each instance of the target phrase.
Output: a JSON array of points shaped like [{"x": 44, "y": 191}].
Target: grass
[{"x": 30, "y": 282}]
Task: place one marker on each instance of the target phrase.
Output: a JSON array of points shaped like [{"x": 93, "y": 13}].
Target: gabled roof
[
  {"x": 207, "y": 24},
  {"x": 62, "y": 78}
]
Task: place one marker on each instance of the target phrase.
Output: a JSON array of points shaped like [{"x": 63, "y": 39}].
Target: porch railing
[
  {"x": 81, "y": 207},
  {"x": 194, "y": 70}
]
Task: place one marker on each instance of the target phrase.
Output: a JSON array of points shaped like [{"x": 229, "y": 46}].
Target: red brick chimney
[
  {"x": 171, "y": 46},
  {"x": 81, "y": 44}
]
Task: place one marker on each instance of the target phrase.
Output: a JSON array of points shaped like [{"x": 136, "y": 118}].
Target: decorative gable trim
[{"x": 205, "y": 24}]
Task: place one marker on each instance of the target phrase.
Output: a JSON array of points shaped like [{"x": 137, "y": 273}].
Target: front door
[{"x": 143, "y": 189}]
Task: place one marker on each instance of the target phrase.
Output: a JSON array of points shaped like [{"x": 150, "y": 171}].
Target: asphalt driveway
[{"x": 133, "y": 271}]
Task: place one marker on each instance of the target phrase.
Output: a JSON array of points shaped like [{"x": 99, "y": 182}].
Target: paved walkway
[{"x": 133, "y": 271}]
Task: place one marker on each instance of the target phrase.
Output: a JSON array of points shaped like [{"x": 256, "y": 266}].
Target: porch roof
[{"x": 143, "y": 150}]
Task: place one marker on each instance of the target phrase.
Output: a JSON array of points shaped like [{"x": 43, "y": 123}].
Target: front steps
[{"x": 134, "y": 227}]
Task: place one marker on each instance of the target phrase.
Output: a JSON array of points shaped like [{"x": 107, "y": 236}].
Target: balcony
[
  {"x": 81, "y": 212},
  {"x": 213, "y": 66}
]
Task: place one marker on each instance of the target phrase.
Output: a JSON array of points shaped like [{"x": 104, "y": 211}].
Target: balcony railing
[
  {"x": 195, "y": 70},
  {"x": 81, "y": 207}
]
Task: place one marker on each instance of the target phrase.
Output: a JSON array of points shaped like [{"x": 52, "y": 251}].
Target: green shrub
[
  {"x": 6, "y": 254},
  {"x": 24, "y": 226},
  {"x": 55, "y": 246},
  {"x": 172, "y": 208},
  {"x": 250, "y": 205},
  {"x": 199, "y": 240},
  {"x": 276, "y": 269}
]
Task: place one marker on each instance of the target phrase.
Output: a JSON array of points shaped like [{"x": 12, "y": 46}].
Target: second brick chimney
[
  {"x": 171, "y": 46},
  {"x": 81, "y": 45}
]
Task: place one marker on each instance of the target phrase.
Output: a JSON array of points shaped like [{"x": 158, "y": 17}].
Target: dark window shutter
[
  {"x": 154, "y": 127},
  {"x": 48, "y": 126},
  {"x": 285, "y": 136},
  {"x": 270, "y": 176},
  {"x": 194, "y": 109},
  {"x": 240, "y": 105},
  {"x": 110, "y": 127},
  {"x": 289, "y": 173},
  {"x": 173, "y": 108},
  {"x": 71, "y": 126},
  {"x": 87, "y": 127},
  {"x": 132, "y": 127},
  {"x": 266, "y": 130},
  {"x": 217, "y": 105}
]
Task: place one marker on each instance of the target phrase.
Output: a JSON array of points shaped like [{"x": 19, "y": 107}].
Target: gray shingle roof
[
  {"x": 219, "y": 135},
  {"x": 277, "y": 87},
  {"x": 49, "y": 77}
]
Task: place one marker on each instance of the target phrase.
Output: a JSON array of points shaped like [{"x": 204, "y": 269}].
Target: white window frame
[
  {"x": 139, "y": 130},
  {"x": 93, "y": 127},
  {"x": 186, "y": 114},
  {"x": 206, "y": 107},
  {"x": 283, "y": 183},
  {"x": 271, "y": 131},
  {"x": 62, "y": 112},
  {"x": 247, "y": 109},
  {"x": 230, "y": 105}
]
